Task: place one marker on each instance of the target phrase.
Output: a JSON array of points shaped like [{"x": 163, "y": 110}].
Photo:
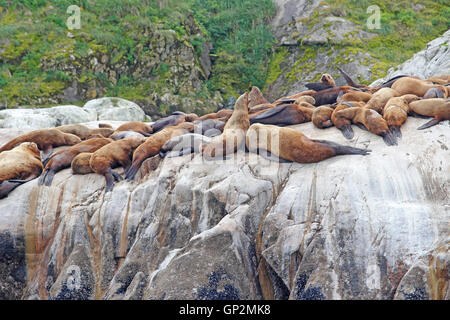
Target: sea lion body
[
  {"x": 136, "y": 126},
  {"x": 409, "y": 85},
  {"x": 380, "y": 98},
  {"x": 342, "y": 123},
  {"x": 283, "y": 115},
  {"x": 63, "y": 158},
  {"x": 19, "y": 165},
  {"x": 84, "y": 132},
  {"x": 112, "y": 155},
  {"x": 80, "y": 164},
  {"x": 371, "y": 120},
  {"x": 184, "y": 144},
  {"x": 153, "y": 144},
  {"x": 442, "y": 79},
  {"x": 233, "y": 135},
  {"x": 395, "y": 112},
  {"x": 45, "y": 140},
  {"x": 173, "y": 120},
  {"x": 290, "y": 144},
  {"x": 329, "y": 96},
  {"x": 439, "y": 109},
  {"x": 356, "y": 96},
  {"x": 436, "y": 92},
  {"x": 125, "y": 134},
  {"x": 321, "y": 117}
]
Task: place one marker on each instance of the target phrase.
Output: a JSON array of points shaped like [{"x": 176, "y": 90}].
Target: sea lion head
[
  {"x": 242, "y": 103},
  {"x": 71, "y": 139},
  {"x": 31, "y": 147},
  {"x": 191, "y": 117},
  {"x": 327, "y": 79}
]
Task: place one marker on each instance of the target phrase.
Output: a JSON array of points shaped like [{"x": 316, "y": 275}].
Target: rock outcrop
[{"x": 350, "y": 227}]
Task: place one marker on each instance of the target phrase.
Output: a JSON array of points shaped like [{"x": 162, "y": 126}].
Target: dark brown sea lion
[
  {"x": 283, "y": 115},
  {"x": 173, "y": 120},
  {"x": 153, "y": 144},
  {"x": 329, "y": 96},
  {"x": 19, "y": 165},
  {"x": 113, "y": 155},
  {"x": 63, "y": 158},
  {"x": 291, "y": 145}
]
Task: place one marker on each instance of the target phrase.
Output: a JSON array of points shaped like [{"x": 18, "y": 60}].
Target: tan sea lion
[
  {"x": 19, "y": 165},
  {"x": 153, "y": 145},
  {"x": 395, "y": 112},
  {"x": 233, "y": 136},
  {"x": 136, "y": 126},
  {"x": 45, "y": 140},
  {"x": 442, "y": 79},
  {"x": 84, "y": 132},
  {"x": 356, "y": 96},
  {"x": 113, "y": 155},
  {"x": 63, "y": 158},
  {"x": 409, "y": 85},
  {"x": 380, "y": 98},
  {"x": 342, "y": 123},
  {"x": 439, "y": 109},
  {"x": 291, "y": 145}
]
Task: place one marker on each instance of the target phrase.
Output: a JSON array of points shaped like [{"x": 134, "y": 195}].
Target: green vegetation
[{"x": 38, "y": 59}]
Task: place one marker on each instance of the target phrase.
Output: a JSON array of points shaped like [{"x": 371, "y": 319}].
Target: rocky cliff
[{"x": 350, "y": 227}]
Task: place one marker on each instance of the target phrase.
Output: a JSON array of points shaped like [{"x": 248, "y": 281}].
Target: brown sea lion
[
  {"x": 439, "y": 109},
  {"x": 154, "y": 143},
  {"x": 45, "y": 140},
  {"x": 321, "y": 117},
  {"x": 113, "y": 155},
  {"x": 19, "y": 165},
  {"x": 356, "y": 96},
  {"x": 295, "y": 96},
  {"x": 380, "y": 98},
  {"x": 326, "y": 82},
  {"x": 105, "y": 125},
  {"x": 222, "y": 115},
  {"x": 283, "y": 115},
  {"x": 291, "y": 145},
  {"x": 63, "y": 158},
  {"x": 371, "y": 120},
  {"x": 80, "y": 164},
  {"x": 84, "y": 132},
  {"x": 342, "y": 123},
  {"x": 233, "y": 136},
  {"x": 136, "y": 126},
  {"x": 255, "y": 97},
  {"x": 409, "y": 85},
  {"x": 395, "y": 112},
  {"x": 173, "y": 120}
]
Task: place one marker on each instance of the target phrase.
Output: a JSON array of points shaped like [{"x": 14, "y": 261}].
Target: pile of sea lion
[{"x": 380, "y": 110}]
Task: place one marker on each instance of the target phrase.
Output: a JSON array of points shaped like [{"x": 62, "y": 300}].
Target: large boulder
[
  {"x": 350, "y": 227},
  {"x": 117, "y": 109}
]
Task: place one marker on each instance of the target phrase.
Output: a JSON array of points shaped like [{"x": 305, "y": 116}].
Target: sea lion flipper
[
  {"x": 396, "y": 131},
  {"x": 340, "y": 149},
  {"x": 266, "y": 114},
  {"x": 49, "y": 177},
  {"x": 131, "y": 172},
  {"x": 348, "y": 79},
  {"x": 347, "y": 131},
  {"x": 109, "y": 182},
  {"x": 7, "y": 186},
  {"x": 42, "y": 177},
  {"x": 389, "y": 138},
  {"x": 429, "y": 124}
]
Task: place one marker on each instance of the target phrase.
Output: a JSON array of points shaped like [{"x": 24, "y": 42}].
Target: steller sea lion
[
  {"x": 80, "y": 164},
  {"x": 136, "y": 126},
  {"x": 113, "y": 155},
  {"x": 342, "y": 123},
  {"x": 355, "y": 96},
  {"x": 63, "y": 158},
  {"x": 173, "y": 120},
  {"x": 409, "y": 85},
  {"x": 295, "y": 96},
  {"x": 436, "y": 92},
  {"x": 222, "y": 115},
  {"x": 125, "y": 134},
  {"x": 439, "y": 109},
  {"x": 233, "y": 136},
  {"x": 379, "y": 99},
  {"x": 326, "y": 82},
  {"x": 153, "y": 144},
  {"x": 371, "y": 120},
  {"x": 283, "y": 115},
  {"x": 45, "y": 140},
  {"x": 291, "y": 145},
  {"x": 84, "y": 132},
  {"x": 442, "y": 79},
  {"x": 19, "y": 165},
  {"x": 321, "y": 117},
  {"x": 329, "y": 96},
  {"x": 255, "y": 97},
  {"x": 395, "y": 112},
  {"x": 184, "y": 144}
]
